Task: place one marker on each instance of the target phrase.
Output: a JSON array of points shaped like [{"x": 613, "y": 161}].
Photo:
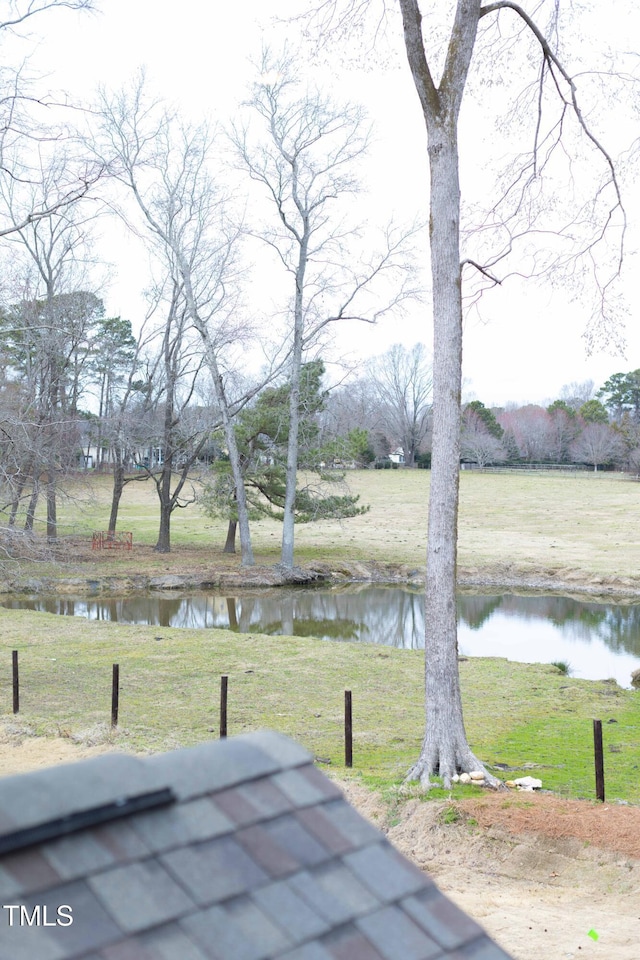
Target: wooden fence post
[
  {"x": 348, "y": 730},
  {"x": 599, "y": 759},
  {"x": 115, "y": 694},
  {"x": 224, "y": 686},
  {"x": 16, "y": 681}
]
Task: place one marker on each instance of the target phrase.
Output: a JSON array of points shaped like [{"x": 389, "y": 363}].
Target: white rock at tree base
[
  {"x": 465, "y": 778},
  {"x": 528, "y": 783},
  {"x": 476, "y": 775},
  {"x": 455, "y": 778}
]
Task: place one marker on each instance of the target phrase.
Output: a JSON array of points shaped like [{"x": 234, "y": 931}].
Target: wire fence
[{"x": 581, "y": 758}]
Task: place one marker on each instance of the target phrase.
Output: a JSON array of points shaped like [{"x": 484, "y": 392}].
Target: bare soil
[
  {"x": 184, "y": 570},
  {"x": 540, "y": 873}
]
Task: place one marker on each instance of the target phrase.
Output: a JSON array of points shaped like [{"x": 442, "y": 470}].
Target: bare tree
[
  {"x": 441, "y": 69},
  {"x": 165, "y": 165},
  {"x": 49, "y": 341},
  {"x": 180, "y": 436},
  {"x": 350, "y": 405},
  {"x": 445, "y": 746},
  {"x": 23, "y": 135},
  {"x": 529, "y": 433},
  {"x": 15, "y": 14},
  {"x": 302, "y": 155},
  {"x": 51, "y": 328},
  {"x": 576, "y": 393},
  {"x": 126, "y": 397},
  {"x": 598, "y": 444},
  {"x": 402, "y": 381},
  {"x": 565, "y": 426}
]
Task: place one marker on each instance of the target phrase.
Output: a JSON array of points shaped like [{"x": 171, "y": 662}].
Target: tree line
[
  {"x": 388, "y": 408},
  {"x": 583, "y": 426}
]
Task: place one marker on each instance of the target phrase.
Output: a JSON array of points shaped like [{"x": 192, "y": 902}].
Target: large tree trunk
[
  {"x": 444, "y": 747},
  {"x": 163, "y": 544},
  {"x": 33, "y": 502},
  {"x": 118, "y": 488},
  {"x": 230, "y": 543},
  {"x": 289, "y": 519},
  {"x": 52, "y": 509}
]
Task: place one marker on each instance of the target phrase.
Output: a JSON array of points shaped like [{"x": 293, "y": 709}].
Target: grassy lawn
[
  {"x": 516, "y": 714},
  {"x": 579, "y": 526},
  {"x": 576, "y": 527}
]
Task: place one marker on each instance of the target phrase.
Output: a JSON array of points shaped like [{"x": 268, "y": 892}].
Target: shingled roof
[{"x": 237, "y": 849}]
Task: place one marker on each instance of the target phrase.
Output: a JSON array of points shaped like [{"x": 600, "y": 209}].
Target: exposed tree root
[{"x": 435, "y": 763}]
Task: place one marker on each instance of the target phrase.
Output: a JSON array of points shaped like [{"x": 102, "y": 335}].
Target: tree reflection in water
[{"x": 390, "y": 615}]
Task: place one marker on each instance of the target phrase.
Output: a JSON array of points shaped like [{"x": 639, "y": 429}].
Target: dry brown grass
[{"x": 575, "y": 528}]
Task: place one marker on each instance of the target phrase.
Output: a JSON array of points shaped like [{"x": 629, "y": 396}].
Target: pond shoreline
[{"x": 568, "y": 583}]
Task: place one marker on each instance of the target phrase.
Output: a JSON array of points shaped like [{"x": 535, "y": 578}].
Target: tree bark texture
[
  {"x": 444, "y": 748},
  {"x": 289, "y": 519},
  {"x": 230, "y": 543},
  {"x": 21, "y": 484},
  {"x": 33, "y": 501},
  {"x": 118, "y": 488},
  {"x": 163, "y": 544},
  {"x": 52, "y": 512},
  {"x": 246, "y": 549}
]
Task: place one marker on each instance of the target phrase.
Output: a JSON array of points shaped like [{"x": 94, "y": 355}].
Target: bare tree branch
[
  {"x": 33, "y": 9},
  {"x": 556, "y": 68}
]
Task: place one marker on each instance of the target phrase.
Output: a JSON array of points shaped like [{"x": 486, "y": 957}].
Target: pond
[{"x": 598, "y": 640}]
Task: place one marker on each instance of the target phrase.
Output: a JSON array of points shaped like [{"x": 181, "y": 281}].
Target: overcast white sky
[{"x": 529, "y": 340}]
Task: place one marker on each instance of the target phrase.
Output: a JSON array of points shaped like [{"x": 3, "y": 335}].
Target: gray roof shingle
[{"x": 259, "y": 857}]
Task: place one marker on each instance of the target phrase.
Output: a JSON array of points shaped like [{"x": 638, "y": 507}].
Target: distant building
[{"x": 397, "y": 456}]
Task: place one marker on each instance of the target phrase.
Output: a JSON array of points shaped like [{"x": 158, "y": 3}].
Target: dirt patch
[
  {"x": 531, "y": 874},
  {"x": 21, "y": 750},
  {"x": 613, "y": 827},
  {"x": 201, "y": 576},
  {"x": 575, "y": 583},
  {"x": 527, "y": 867}
]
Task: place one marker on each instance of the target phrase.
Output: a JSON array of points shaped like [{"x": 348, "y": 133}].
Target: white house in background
[
  {"x": 144, "y": 456},
  {"x": 397, "y": 456}
]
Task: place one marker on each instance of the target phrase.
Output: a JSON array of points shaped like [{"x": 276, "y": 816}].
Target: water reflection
[
  {"x": 598, "y": 639},
  {"x": 617, "y": 625}
]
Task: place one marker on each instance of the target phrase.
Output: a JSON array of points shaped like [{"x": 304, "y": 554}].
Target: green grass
[
  {"x": 516, "y": 714},
  {"x": 563, "y": 667}
]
